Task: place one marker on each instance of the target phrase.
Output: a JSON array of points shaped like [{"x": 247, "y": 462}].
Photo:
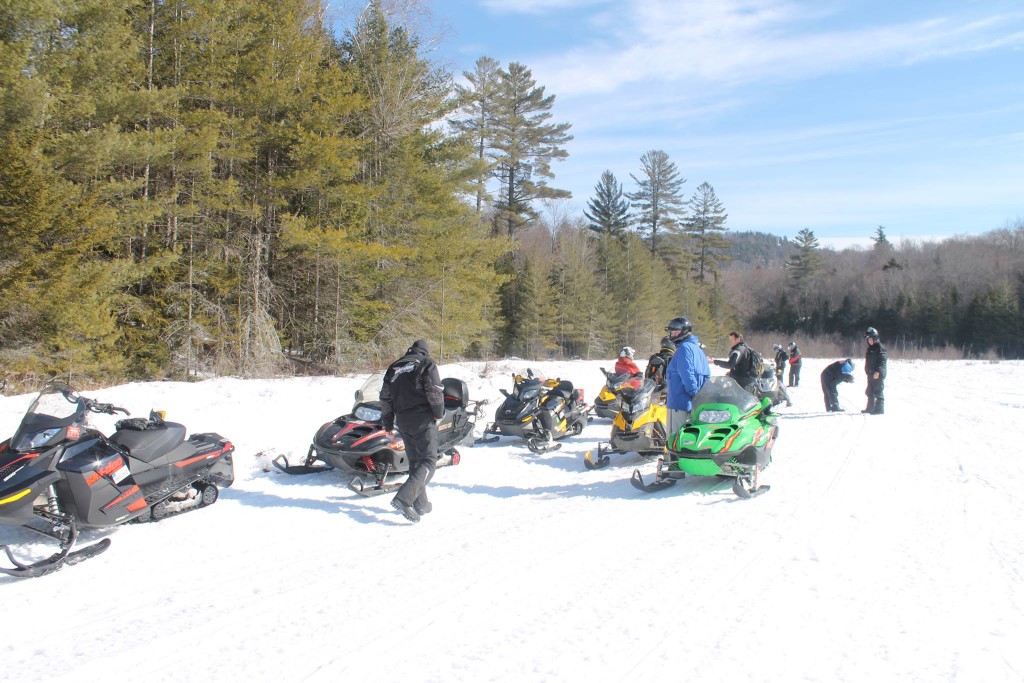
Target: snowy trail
[{"x": 889, "y": 548}]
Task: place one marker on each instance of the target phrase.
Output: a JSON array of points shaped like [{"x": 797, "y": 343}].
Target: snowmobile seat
[
  {"x": 149, "y": 444},
  {"x": 563, "y": 389},
  {"x": 456, "y": 393}
]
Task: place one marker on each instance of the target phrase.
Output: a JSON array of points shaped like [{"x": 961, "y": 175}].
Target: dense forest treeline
[{"x": 240, "y": 188}]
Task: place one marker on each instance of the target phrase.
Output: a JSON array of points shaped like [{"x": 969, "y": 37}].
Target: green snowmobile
[{"x": 731, "y": 434}]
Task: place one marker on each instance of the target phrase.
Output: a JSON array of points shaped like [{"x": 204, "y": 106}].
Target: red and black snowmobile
[
  {"x": 357, "y": 443},
  {"x": 57, "y": 474}
]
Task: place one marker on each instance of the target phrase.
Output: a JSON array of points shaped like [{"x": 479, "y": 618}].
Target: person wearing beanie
[
  {"x": 831, "y": 376},
  {"x": 413, "y": 399}
]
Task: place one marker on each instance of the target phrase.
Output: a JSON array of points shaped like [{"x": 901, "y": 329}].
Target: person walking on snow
[
  {"x": 875, "y": 362},
  {"x": 831, "y": 376},
  {"x": 687, "y": 371},
  {"x": 413, "y": 397}
]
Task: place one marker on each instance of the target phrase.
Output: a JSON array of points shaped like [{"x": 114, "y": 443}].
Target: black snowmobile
[
  {"x": 57, "y": 474},
  {"x": 357, "y": 443},
  {"x": 768, "y": 385},
  {"x": 518, "y": 413},
  {"x": 562, "y": 413}
]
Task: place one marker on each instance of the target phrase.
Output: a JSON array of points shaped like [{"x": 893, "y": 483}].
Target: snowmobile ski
[
  {"x": 601, "y": 461},
  {"x": 281, "y": 463},
  {"x": 637, "y": 480},
  {"x": 744, "y": 487},
  {"x": 55, "y": 561},
  {"x": 542, "y": 445},
  {"x": 357, "y": 485}
]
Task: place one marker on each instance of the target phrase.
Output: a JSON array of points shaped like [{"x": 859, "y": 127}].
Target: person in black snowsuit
[
  {"x": 658, "y": 362},
  {"x": 795, "y": 363},
  {"x": 738, "y": 362},
  {"x": 875, "y": 362},
  {"x": 413, "y": 397},
  {"x": 781, "y": 360},
  {"x": 831, "y": 376}
]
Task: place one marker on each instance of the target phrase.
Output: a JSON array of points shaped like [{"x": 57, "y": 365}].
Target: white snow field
[{"x": 890, "y": 548}]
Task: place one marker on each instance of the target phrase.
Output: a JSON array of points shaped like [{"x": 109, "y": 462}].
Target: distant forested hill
[{"x": 758, "y": 250}]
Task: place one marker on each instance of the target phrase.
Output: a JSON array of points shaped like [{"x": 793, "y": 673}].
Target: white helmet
[{"x": 627, "y": 352}]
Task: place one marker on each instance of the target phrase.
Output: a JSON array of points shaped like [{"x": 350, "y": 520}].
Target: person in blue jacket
[{"x": 686, "y": 373}]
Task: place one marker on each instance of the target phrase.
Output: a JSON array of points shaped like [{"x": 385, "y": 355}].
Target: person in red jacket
[
  {"x": 625, "y": 365},
  {"x": 795, "y": 363}
]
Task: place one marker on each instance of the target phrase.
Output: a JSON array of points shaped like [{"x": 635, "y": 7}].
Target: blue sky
[{"x": 835, "y": 115}]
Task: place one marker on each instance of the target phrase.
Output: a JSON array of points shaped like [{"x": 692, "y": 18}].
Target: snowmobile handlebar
[{"x": 106, "y": 408}]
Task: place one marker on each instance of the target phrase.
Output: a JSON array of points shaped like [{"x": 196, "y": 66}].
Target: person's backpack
[{"x": 753, "y": 364}]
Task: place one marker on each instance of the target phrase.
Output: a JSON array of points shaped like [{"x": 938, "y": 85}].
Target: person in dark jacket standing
[
  {"x": 781, "y": 360},
  {"x": 795, "y": 363},
  {"x": 875, "y": 362},
  {"x": 831, "y": 376},
  {"x": 658, "y": 362},
  {"x": 738, "y": 363},
  {"x": 413, "y": 397}
]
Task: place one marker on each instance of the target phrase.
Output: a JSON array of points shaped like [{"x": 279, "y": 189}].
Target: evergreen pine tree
[
  {"x": 524, "y": 146},
  {"x": 658, "y": 201},
  {"x": 477, "y": 102},
  {"x": 705, "y": 226},
  {"x": 608, "y": 211}
]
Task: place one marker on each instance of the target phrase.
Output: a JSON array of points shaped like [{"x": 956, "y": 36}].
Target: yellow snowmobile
[{"x": 639, "y": 427}]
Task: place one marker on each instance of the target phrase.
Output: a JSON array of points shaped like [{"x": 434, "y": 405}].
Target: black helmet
[
  {"x": 666, "y": 343},
  {"x": 681, "y": 325},
  {"x": 872, "y": 333}
]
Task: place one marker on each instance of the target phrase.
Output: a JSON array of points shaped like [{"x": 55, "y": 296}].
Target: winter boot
[
  {"x": 407, "y": 510},
  {"x": 879, "y": 407},
  {"x": 424, "y": 509},
  {"x": 871, "y": 406}
]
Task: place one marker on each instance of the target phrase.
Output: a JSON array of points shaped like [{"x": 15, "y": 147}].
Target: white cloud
[
  {"x": 727, "y": 42},
  {"x": 536, "y": 6}
]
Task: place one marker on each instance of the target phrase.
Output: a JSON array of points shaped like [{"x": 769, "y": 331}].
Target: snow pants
[
  {"x": 876, "y": 396},
  {"x": 831, "y": 391},
  {"x": 794, "y": 373},
  {"x": 677, "y": 419},
  {"x": 420, "y": 436}
]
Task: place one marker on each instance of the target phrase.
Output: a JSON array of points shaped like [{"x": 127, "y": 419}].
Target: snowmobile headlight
[
  {"x": 367, "y": 414},
  {"x": 529, "y": 394},
  {"x": 713, "y": 416},
  {"x": 37, "y": 439}
]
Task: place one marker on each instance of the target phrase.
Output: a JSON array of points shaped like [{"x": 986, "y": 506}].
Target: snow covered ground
[{"x": 889, "y": 549}]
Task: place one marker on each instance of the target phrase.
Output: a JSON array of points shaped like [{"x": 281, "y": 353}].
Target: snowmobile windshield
[
  {"x": 56, "y": 407},
  {"x": 370, "y": 391},
  {"x": 641, "y": 399},
  {"x": 725, "y": 390},
  {"x": 528, "y": 390}
]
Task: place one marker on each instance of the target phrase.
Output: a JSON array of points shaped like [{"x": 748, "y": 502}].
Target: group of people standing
[
  {"x": 412, "y": 397},
  {"x": 687, "y": 375},
  {"x": 790, "y": 357}
]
